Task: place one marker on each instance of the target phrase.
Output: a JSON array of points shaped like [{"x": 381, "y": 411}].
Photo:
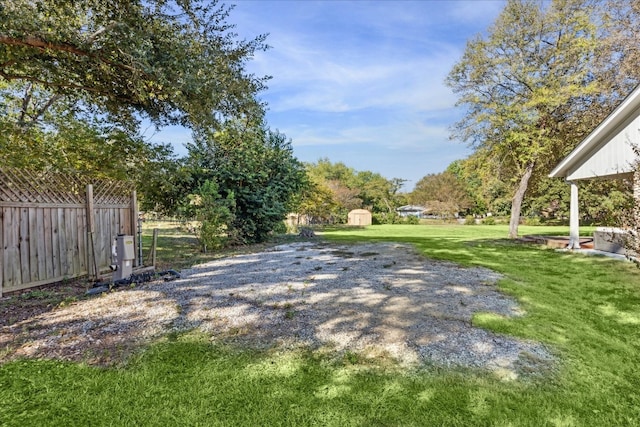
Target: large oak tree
[{"x": 77, "y": 76}]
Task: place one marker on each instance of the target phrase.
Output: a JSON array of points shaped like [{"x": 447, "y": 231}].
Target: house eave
[{"x": 570, "y": 163}]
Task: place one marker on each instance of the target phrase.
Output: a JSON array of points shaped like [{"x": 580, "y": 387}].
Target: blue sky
[{"x": 362, "y": 82}]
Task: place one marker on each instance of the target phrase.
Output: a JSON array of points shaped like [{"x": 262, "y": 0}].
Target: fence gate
[{"x": 58, "y": 226}]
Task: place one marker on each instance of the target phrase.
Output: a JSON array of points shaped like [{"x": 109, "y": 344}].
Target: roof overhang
[{"x": 584, "y": 150}]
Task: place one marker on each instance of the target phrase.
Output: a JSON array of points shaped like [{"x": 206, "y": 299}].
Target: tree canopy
[
  {"x": 174, "y": 62},
  {"x": 337, "y": 189},
  {"x": 247, "y": 167},
  {"x": 442, "y": 194}
]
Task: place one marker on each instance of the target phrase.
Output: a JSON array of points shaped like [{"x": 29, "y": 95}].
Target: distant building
[{"x": 412, "y": 210}]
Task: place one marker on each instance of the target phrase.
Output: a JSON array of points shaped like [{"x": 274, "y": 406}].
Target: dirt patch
[
  {"x": 373, "y": 300},
  {"x": 18, "y": 306}
]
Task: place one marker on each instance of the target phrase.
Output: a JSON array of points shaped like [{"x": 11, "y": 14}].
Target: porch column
[
  {"x": 574, "y": 226},
  {"x": 635, "y": 215},
  {"x": 636, "y": 189}
]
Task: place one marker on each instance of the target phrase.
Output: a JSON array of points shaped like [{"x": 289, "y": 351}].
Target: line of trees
[
  {"x": 335, "y": 189},
  {"x": 460, "y": 190}
]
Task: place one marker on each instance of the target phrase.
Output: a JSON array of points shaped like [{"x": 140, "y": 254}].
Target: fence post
[
  {"x": 134, "y": 226},
  {"x": 153, "y": 247},
  {"x": 91, "y": 250}
]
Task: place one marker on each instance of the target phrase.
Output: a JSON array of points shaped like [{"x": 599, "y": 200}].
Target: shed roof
[{"x": 608, "y": 151}]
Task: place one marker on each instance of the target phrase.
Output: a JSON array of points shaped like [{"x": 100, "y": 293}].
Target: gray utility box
[{"x": 125, "y": 255}]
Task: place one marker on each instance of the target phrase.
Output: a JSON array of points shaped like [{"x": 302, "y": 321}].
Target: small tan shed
[{"x": 359, "y": 217}]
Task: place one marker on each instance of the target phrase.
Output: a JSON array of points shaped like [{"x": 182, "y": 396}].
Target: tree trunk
[{"x": 516, "y": 202}]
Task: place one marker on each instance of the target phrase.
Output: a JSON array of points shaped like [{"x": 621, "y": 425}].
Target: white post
[{"x": 574, "y": 226}]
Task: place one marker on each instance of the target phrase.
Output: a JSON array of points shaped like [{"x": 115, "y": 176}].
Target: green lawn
[{"x": 586, "y": 308}]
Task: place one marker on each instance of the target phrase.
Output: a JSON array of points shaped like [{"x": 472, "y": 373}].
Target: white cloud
[
  {"x": 307, "y": 78},
  {"x": 378, "y": 55},
  {"x": 409, "y": 134},
  {"x": 472, "y": 11}
]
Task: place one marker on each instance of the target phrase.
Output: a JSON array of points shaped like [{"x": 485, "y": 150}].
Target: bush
[
  {"x": 211, "y": 235},
  {"x": 469, "y": 220},
  {"x": 413, "y": 220},
  {"x": 385, "y": 218},
  {"x": 280, "y": 228},
  {"x": 488, "y": 221},
  {"x": 534, "y": 220},
  {"x": 214, "y": 215}
]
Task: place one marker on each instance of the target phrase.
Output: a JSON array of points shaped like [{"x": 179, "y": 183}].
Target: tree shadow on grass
[{"x": 191, "y": 382}]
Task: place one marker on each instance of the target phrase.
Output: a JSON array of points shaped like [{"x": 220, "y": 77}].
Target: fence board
[
  {"x": 116, "y": 226},
  {"x": 6, "y": 230},
  {"x": 81, "y": 249},
  {"x": 62, "y": 241},
  {"x": 55, "y": 242},
  {"x": 104, "y": 236},
  {"x": 70, "y": 241},
  {"x": 48, "y": 242},
  {"x": 23, "y": 242},
  {"x": 121, "y": 221},
  {"x": 69, "y": 244},
  {"x": 33, "y": 245},
  {"x": 11, "y": 253}
]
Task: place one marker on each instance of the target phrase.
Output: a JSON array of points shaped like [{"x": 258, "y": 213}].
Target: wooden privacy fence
[{"x": 58, "y": 226}]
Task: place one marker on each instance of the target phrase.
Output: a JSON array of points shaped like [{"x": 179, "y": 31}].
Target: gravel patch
[{"x": 374, "y": 300}]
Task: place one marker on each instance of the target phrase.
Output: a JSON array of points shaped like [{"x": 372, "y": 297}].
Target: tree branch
[
  {"x": 40, "y": 112},
  {"x": 25, "y": 104},
  {"x": 101, "y": 30},
  {"x": 34, "y": 42},
  {"x": 42, "y": 45},
  {"x": 46, "y": 83},
  {"x": 128, "y": 100}
]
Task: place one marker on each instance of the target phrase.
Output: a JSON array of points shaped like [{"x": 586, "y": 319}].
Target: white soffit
[{"x": 591, "y": 147}]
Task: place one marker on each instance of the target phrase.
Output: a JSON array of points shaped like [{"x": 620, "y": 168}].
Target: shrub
[
  {"x": 386, "y": 218},
  {"x": 534, "y": 220},
  {"x": 489, "y": 220},
  {"x": 280, "y": 228},
  {"x": 214, "y": 214},
  {"x": 469, "y": 220},
  {"x": 413, "y": 220}
]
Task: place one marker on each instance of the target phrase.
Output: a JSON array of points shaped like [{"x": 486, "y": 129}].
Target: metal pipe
[{"x": 140, "y": 240}]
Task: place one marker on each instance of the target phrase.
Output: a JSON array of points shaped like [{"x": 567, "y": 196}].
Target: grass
[
  {"x": 585, "y": 308},
  {"x": 176, "y": 247}
]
